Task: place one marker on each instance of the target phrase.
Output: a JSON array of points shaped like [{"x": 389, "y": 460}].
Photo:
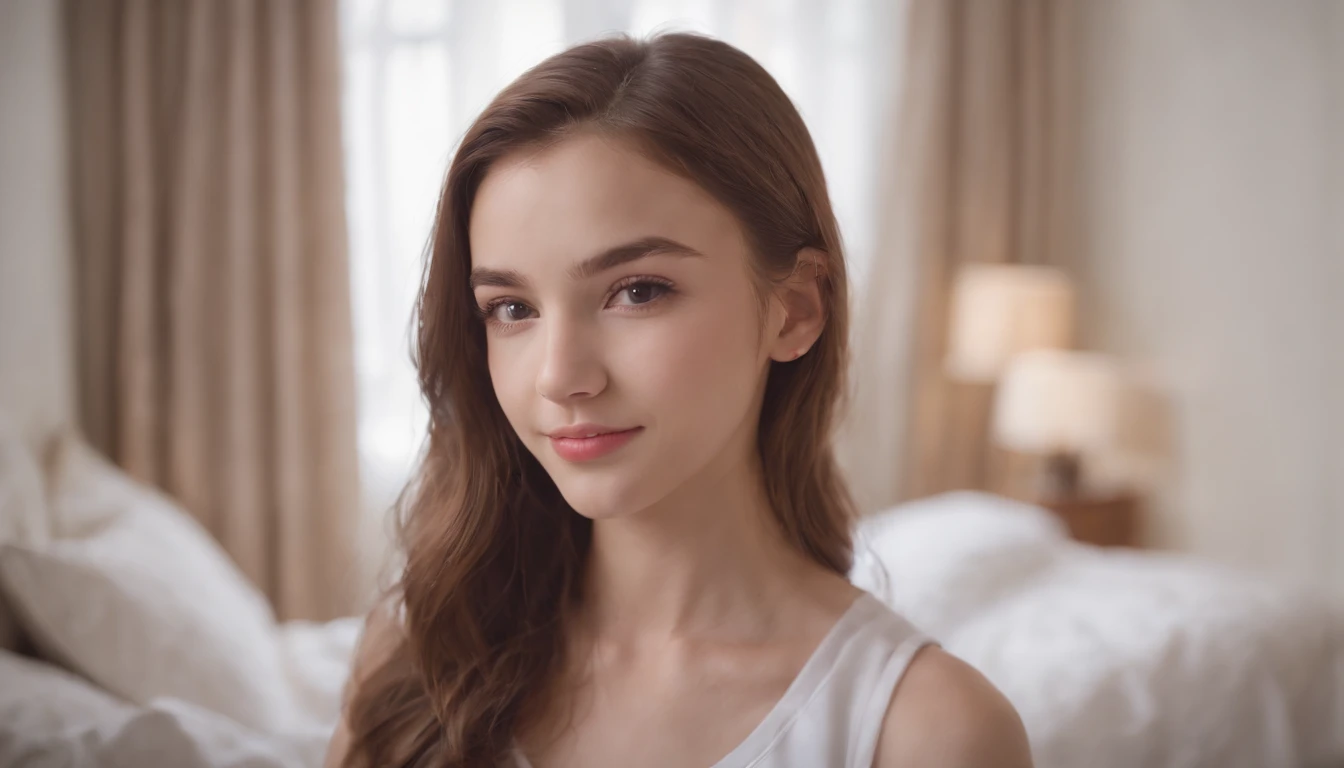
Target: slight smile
[{"x": 586, "y": 442}]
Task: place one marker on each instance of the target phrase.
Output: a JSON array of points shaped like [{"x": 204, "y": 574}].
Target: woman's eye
[
  {"x": 639, "y": 293},
  {"x": 510, "y": 312}
]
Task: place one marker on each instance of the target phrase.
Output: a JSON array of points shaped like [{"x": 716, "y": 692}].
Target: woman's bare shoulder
[{"x": 946, "y": 713}]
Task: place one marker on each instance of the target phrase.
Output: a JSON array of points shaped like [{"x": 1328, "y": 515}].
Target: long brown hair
[{"x": 493, "y": 553}]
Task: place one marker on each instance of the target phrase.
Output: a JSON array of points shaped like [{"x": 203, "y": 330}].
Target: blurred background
[{"x": 1096, "y": 248}]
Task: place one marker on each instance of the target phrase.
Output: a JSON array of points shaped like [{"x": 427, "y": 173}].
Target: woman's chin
[
  {"x": 604, "y": 498},
  {"x": 599, "y": 507}
]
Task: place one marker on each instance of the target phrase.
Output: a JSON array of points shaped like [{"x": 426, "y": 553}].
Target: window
[{"x": 418, "y": 71}]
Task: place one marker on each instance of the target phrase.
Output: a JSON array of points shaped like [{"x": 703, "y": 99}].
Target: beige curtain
[
  {"x": 981, "y": 169},
  {"x": 215, "y": 348}
]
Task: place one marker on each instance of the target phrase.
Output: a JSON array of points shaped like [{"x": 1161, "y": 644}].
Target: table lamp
[
  {"x": 999, "y": 310},
  {"x": 1060, "y": 404}
]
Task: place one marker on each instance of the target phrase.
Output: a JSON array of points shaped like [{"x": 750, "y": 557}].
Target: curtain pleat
[{"x": 216, "y": 354}]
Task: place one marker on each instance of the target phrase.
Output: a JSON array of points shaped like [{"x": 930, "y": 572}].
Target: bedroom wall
[
  {"x": 1215, "y": 260},
  {"x": 36, "y": 351},
  {"x": 1337, "y": 259}
]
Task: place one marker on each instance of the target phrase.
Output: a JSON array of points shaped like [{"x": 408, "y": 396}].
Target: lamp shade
[
  {"x": 999, "y": 310},
  {"x": 1053, "y": 401}
]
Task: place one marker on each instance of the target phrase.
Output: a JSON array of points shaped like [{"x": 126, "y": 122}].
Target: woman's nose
[{"x": 571, "y": 366}]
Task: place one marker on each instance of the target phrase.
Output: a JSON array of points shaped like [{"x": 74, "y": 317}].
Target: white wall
[
  {"x": 36, "y": 351},
  {"x": 1336, "y": 213},
  {"x": 1213, "y": 258}
]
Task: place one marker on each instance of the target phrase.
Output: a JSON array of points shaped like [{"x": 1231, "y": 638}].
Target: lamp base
[{"x": 1062, "y": 475}]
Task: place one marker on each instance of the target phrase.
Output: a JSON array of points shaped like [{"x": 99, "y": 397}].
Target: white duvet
[
  {"x": 50, "y": 718},
  {"x": 1116, "y": 657}
]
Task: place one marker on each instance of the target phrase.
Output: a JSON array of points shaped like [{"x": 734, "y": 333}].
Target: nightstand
[{"x": 1107, "y": 521}]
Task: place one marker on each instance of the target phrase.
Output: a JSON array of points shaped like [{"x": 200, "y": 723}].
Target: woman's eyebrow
[
  {"x": 499, "y": 278},
  {"x": 628, "y": 252},
  {"x": 608, "y": 259}
]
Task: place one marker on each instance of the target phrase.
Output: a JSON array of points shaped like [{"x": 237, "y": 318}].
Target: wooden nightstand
[{"x": 1107, "y": 521}]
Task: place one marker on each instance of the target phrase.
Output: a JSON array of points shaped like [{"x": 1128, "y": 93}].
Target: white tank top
[{"x": 832, "y": 712}]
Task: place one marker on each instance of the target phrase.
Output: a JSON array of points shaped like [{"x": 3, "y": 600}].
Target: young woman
[{"x": 628, "y": 541}]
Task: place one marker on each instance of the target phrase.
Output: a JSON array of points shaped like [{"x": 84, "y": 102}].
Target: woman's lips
[{"x": 588, "y": 448}]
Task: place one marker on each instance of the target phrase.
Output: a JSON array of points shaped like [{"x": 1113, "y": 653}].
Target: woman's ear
[{"x": 804, "y": 311}]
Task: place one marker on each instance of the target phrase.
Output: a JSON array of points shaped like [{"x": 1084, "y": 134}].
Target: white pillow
[
  {"x": 940, "y": 560},
  {"x": 23, "y": 510},
  {"x": 135, "y": 595},
  {"x": 23, "y": 502}
]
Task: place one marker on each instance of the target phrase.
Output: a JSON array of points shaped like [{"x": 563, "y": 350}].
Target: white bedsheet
[
  {"x": 1116, "y": 657},
  {"x": 50, "y": 718}
]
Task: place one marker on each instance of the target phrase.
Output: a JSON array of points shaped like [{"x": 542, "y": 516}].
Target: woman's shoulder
[{"x": 946, "y": 713}]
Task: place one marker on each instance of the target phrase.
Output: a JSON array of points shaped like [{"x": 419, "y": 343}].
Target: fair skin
[{"x": 697, "y": 614}]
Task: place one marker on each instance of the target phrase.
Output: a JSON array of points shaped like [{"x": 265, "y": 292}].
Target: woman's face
[{"x": 618, "y": 302}]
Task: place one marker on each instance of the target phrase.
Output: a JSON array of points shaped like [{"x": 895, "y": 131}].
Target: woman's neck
[{"x": 707, "y": 561}]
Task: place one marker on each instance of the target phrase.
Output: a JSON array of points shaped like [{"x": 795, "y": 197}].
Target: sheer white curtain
[{"x": 418, "y": 72}]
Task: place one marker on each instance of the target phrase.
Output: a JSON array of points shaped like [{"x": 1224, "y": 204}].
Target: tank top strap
[
  {"x": 875, "y": 681},
  {"x": 848, "y": 685}
]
